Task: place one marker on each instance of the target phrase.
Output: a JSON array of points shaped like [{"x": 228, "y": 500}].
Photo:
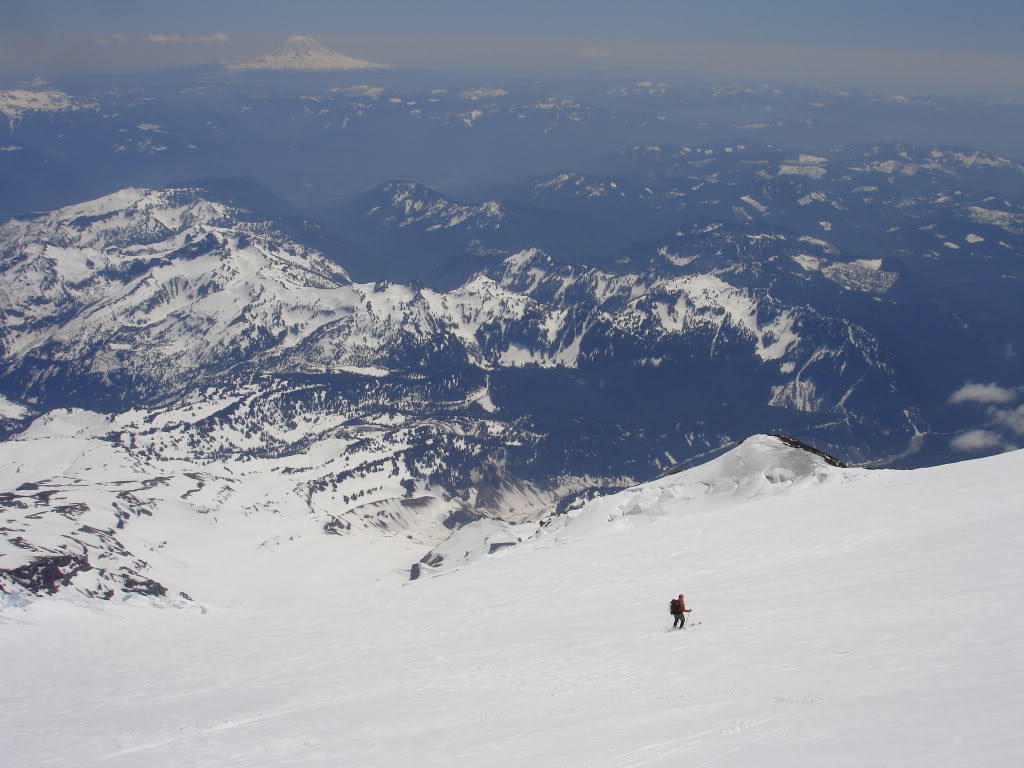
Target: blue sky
[{"x": 55, "y": 35}]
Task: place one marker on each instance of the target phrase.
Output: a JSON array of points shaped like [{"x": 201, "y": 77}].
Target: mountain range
[
  {"x": 320, "y": 137},
  {"x": 195, "y": 349},
  {"x": 418, "y": 331}
]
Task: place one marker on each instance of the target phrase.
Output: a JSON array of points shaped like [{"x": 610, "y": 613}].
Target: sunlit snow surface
[{"x": 847, "y": 618}]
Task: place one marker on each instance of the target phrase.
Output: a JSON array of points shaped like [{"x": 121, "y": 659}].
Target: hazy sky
[{"x": 934, "y": 43}]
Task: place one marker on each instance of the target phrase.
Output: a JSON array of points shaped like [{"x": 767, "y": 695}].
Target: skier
[{"x": 677, "y": 607}]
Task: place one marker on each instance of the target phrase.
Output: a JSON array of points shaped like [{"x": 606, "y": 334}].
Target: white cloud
[
  {"x": 217, "y": 37},
  {"x": 1014, "y": 419},
  {"x": 983, "y": 393},
  {"x": 111, "y": 40},
  {"x": 976, "y": 440}
]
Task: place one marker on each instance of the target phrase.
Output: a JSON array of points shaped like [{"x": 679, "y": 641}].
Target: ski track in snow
[{"x": 864, "y": 618}]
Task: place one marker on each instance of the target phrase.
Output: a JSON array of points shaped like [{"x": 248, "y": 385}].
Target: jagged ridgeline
[
  {"x": 144, "y": 296},
  {"x": 186, "y": 346}
]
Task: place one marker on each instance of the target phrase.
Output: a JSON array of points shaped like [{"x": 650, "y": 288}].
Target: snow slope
[
  {"x": 847, "y": 618},
  {"x": 150, "y": 501},
  {"x": 12, "y": 410}
]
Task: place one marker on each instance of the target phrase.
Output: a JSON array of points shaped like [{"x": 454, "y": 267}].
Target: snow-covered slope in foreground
[{"x": 847, "y": 618}]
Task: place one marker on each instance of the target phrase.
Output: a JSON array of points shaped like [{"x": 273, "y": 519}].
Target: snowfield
[{"x": 841, "y": 617}]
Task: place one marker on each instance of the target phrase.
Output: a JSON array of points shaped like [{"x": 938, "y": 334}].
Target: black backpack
[{"x": 673, "y": 606}]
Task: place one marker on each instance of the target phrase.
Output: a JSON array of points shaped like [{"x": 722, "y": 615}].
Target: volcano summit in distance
[{"x": 301, "y": 52}]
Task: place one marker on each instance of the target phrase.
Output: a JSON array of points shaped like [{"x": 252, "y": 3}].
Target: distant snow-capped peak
[
  {"x": 167, "y": 270},
  {"x": 301, "y": 52}
]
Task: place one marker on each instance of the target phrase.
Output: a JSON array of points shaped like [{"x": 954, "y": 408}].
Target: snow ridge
[
  {"x": 761, "y": 466},
  {"x": 131, "y": 283}
]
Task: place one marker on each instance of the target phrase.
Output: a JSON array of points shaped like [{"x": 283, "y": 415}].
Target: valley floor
[{"x": 871, "y": 619}]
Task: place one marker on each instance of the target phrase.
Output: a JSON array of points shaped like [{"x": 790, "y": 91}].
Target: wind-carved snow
[{"x": 302, "y": 52}]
